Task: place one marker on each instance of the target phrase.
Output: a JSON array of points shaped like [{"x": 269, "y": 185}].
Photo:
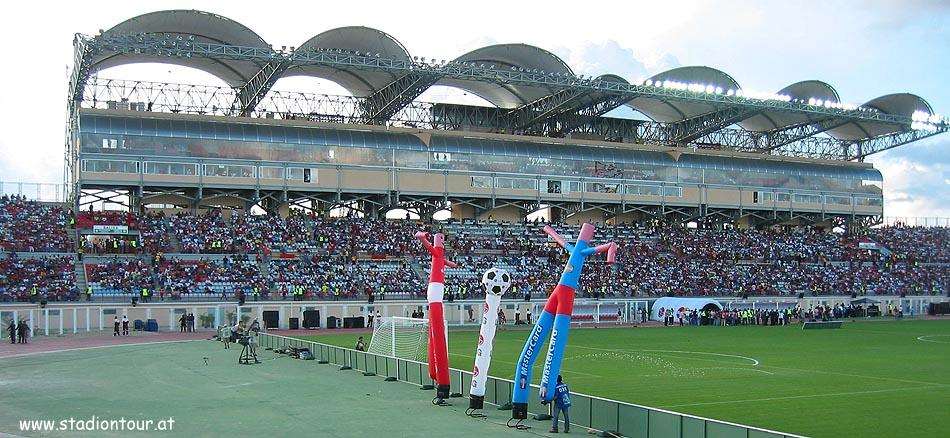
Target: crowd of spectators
[
  {"x": 127, "y": 275},
  {"x": 337, "y": 258},
  {"x": 338, "y": 277},
  {"x": 37, "y": 279},
  {"x": 89, "y": 219},
  {"x": 30, "y": 226},
  {"x": 226, "y": 277}
]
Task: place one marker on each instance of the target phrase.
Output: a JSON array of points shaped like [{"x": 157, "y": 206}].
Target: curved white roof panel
[
  {"x": 673, "y": 111},
  {"x": 804, "y": 90},
  {"x": 204, "y": 27},
  {"x": 509, "y": 56},
  {"x": 360, "y": 39},
  {"x": 902, "y": 104}
]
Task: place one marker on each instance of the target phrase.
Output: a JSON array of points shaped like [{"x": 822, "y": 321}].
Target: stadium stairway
[
  {"x": 73, "y": 238},
  {"x": 173, "y": 242},
  {"x": 418, "y": 269},
  {"x": 80, "y": 269}
]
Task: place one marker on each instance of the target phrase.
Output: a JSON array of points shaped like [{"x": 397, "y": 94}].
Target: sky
[{"x": 865, "y": 49}]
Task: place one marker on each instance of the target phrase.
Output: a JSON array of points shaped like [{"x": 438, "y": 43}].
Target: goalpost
[{"x": 396, "y": 336}]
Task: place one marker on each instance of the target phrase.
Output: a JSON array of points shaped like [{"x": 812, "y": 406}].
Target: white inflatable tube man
[{"x": 496, "y": 282}]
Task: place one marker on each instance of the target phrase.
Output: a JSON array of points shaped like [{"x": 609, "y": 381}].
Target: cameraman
[{"x": 236, "y": 331}]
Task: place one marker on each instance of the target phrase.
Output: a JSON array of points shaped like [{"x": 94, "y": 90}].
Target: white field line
[
  {"x": 512, "y": 363},
  {"x": 753, "y": 361},
  {"x": 64, "y": 350},
  {"x": 924, "y": 339},
  {"x": 792, "y": 397},
  {"x": 739, "y": 368},
  {"x": 860, "y": 376}
]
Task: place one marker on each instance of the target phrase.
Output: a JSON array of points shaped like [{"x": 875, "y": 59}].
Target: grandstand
[
  {"x": 703, "y": 152},
  {"x": 190, "y": 163}
]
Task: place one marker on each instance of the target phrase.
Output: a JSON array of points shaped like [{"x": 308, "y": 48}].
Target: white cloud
[{"x": 913, "y": 188}]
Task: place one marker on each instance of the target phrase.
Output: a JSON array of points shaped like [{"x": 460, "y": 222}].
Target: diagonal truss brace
[
  {"x": 694, "y": 128},
  {"x": 389, "y": 100},
  {"x": 254, "y": 90}
]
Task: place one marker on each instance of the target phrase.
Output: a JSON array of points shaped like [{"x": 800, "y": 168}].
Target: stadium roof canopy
[
  {"x": 514, "y": 57},
  {"x": 664, "y": 110},
  {"x": 358, "y": 82},
  {"x": 537, "y": 91},
  {"x": 201, "y": 26}
]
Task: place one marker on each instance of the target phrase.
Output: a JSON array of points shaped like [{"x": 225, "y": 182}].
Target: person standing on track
[
  {"x": 115, "y": 326},
  {"x": 125, "y": 325},
  {"x": 23, "y": 331},
  {"x": 12, "y": 330},
  {"x": 561, "y": 403}
]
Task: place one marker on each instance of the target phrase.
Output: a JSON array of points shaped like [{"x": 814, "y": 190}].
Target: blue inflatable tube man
[{"x": 555, "y": 319}]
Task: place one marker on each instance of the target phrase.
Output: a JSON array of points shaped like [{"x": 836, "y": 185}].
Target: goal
[{"x": 396, "y": 336}]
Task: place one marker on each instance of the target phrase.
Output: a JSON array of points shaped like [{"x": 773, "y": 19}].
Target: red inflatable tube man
[{"x": 438, "y": 349}]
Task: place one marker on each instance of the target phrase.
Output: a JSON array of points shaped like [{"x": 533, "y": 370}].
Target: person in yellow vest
[
  {"x": 88, "y": 293},
  {"x": 336, "y": 293},
  {"x": 257, "y": 294},
  {"x": 144, "y": 294},
  {"x": 33, "y": 294}
]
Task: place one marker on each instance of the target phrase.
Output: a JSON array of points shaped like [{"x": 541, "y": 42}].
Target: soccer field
[{"x": 870, "y": 378}]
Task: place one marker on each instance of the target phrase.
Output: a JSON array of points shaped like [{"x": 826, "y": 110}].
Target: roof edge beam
[{"x": 863, "y": 149}]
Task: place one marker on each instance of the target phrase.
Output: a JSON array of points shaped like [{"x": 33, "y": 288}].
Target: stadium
[{"x": 719, "y": 228}]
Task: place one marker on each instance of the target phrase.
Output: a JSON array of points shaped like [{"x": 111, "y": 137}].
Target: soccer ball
[{"x": 496, "y": 281}]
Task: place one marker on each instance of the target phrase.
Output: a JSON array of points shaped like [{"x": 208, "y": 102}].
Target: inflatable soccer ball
[{"x": 496, "y": 281}]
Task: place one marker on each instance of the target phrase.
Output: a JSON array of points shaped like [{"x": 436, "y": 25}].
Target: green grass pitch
[{"x": 869, "y": 378}]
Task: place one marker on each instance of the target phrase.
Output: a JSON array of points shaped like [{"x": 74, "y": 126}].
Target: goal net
[{"x": 396, "y": 336}]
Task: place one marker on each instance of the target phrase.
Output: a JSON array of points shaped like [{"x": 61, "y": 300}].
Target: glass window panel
[
  {"x": 837, "y": 200},
  {"x": 229, "y": 170},
  {"x": 169, "y": 168},
  {"x": 111, "y": 166},
  {"x": 270, "y": 172},
  {"x": 481, "y": 182},
  {"x": 301, "y": 174},
  {"x": 602, "y": 187},
  {"x": 808, "y": 199}
]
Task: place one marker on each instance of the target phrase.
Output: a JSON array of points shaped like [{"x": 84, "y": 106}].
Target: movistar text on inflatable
[{"x": 98, "y": 424}]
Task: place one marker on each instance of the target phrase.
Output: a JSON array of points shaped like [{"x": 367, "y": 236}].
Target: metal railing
[
  {"x": 917, "y": 221},
  {"x": 587, "y": 411},
  {"x": 43, "y": 192}
]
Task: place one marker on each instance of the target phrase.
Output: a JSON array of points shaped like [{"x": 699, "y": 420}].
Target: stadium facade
[{"x": 706, "y": 151}]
